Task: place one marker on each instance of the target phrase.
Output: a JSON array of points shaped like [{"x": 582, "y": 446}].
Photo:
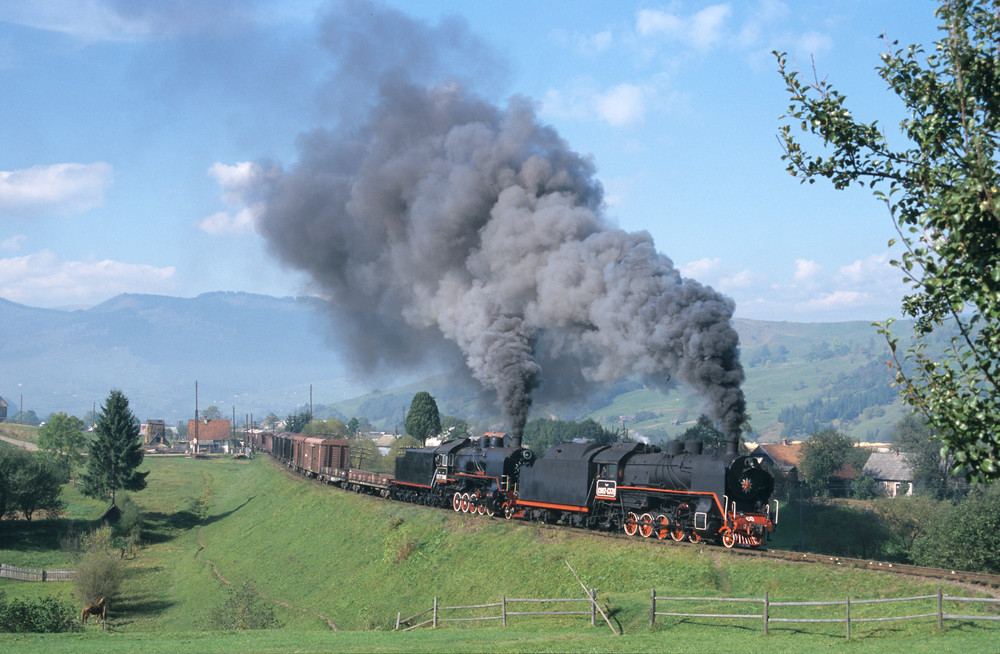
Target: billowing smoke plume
[{"x": 440, "y": 218}]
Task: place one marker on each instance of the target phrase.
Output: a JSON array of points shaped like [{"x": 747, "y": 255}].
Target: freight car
[{"x": 325, "y": 459}]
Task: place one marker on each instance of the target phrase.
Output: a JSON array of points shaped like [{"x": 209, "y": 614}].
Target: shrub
[
  {"x": 40, "y": 615},
  {"x": 243, "y": 609},
  {"x": 99, "y": 567}
]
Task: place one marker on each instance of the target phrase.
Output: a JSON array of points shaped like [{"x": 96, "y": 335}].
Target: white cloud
[
  {"x": 703, "y": 270},
  {"x": 806, "y": 270},
  {"x": 621, "y": 105},
  {"x": 833, "y": 301},
  {"x": 701, "y": 30},
  {"x": 242, "y": 185},
  {"x": 63, "y": 188},
  {"x": 44, "y": 279},
  {"x": 103, "y": 20},
  {"x": 587, "y": 45},
  {"x": 874, "y": 267},
  {"x": 13, "y": 243},
  {"x": 743, "y": 279}
]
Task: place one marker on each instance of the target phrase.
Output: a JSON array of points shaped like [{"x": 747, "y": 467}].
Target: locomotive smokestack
[{"x": 440, "y": 224}]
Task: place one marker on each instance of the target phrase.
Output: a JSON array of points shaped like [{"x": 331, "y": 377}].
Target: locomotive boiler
[
  {"x": 469, "y": 475},
  {"x": 680, "y": 493}
]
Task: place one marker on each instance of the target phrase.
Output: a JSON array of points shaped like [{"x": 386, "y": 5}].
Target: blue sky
[{"x": 127, "y": 132}]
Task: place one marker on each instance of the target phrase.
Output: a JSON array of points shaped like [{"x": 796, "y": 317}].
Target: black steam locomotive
[{"x": 681, "y": 493}]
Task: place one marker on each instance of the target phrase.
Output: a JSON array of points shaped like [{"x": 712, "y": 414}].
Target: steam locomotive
[{"x": 680, "y": 493}]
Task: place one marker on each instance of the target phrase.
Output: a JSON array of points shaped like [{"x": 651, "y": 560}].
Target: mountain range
[{"x": 260, "y": 354}]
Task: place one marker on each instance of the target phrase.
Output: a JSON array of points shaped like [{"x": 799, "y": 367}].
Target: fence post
[
  {"x": 593, "y": 605},
  {"x": 940, "y": 611},
  {"x": 848, "y": 617},
  {"x": 503, "y": 601},
  {"x": 767, "y": 606},
  {"x": 398, "y": 616},
  {"x": 435, "y": 618},
  {"x": 652, "y": 607},
  {"x": 43, "y": 574}
]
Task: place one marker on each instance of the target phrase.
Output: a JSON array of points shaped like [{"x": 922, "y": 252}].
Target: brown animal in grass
[{"x": 100, "y": 609}]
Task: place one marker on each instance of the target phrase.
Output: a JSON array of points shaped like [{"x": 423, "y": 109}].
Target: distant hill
[
  {"x": 260, "y": 354},
  {"x": 246, "y": 350}
]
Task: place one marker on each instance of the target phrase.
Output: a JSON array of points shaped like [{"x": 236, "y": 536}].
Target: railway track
[{"x": 990, "y": 581}]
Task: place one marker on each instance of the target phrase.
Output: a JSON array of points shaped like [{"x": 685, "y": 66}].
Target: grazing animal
[{"x": 100, "y": 609}]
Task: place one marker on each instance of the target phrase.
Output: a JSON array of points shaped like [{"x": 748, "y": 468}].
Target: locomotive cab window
[{"x": 608, "y": 471}]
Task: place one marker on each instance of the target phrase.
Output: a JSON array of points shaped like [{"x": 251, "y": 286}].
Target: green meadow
[{"x": 322, "y": 556}]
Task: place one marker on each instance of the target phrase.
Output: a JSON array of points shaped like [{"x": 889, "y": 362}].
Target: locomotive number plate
[
  {"x": 441, "y": 475},
  {"x": 607, "y": 489}
]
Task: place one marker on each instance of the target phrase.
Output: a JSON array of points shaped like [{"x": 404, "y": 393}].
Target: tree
[
  {"x": 116, "y": 452},
  {"x": 28, "y": 417},
  {"x": 295, "y": 423},
  {"x": 36, "y": 486},
  {"x": 908, "y": 517},
  {"x": 713, "y": 441},
  {"x": 913, "y": 436},
  {"x": 823, "y": 454},
  {"x": 454, "y": 427},
  {"x": 29, "y": 483},
  {"x": 62, "y": 436},
  {"x": 329, "y": 428},
  {"x": 941, "y": 190},
  {"x": 211, "y": 413},
  {"x": 965, "y": 539},
  {"x": 423, "y": 419},
  {"x": 270, "y": 421}
]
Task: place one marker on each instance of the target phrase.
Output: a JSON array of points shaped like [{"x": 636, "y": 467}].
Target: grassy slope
[{"x": 358, "y": 560}]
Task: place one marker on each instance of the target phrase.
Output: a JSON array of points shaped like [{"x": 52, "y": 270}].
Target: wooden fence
[
  {"x": 24, "y": 574},
  {"x": 767, "y": 617},
  {"x": 503, "y": 605}
]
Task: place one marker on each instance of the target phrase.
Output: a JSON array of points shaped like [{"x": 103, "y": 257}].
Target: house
[
  {"x": 384, "y": 443},
  {"x": 156, "y": 433},
  {"x": 892, "y": 470},
  {"x": 785, "y": 458},
  {"x": 3, "y": 410},
  {"x": 208, "y": 436}
]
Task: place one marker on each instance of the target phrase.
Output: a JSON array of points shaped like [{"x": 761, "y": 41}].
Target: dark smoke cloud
[{"x": 440, "y": 220}]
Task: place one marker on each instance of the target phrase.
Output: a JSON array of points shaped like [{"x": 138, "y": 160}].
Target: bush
[
  {"x": 966, "y": 537},
  {"x": 40, "y": 615},
  {"x": 99, "y": 567},
  {"x": 129, "y": 525},
  {"x": 243, "y": 609}
]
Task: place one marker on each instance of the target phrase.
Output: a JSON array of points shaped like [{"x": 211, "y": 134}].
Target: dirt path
[
  {"x": 31, "y": 447},
  {"x": 201, "y": 546}
]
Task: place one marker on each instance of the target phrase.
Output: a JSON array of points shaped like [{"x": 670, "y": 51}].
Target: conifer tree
[{"x": 116, "y": 452}]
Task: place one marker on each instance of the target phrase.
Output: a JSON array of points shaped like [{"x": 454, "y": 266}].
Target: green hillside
[
  {"x": 800, "y": 377},
  {"x": 325, "y": 554}
]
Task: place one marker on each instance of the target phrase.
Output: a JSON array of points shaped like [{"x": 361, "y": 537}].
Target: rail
[
  {"x": 767, "y": 606},
  {"x": 406, "y": 624},
  {"x": 26, "y": 574}
]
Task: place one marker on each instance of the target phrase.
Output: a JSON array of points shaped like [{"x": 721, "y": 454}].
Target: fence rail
[
  {"x": 503, "y": 604},
  {"x": 766, "y": 617},
  {"x": 26, "y": 574}
]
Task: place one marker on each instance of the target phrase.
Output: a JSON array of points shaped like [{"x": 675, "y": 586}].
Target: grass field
[{"x": 329, "y": 555}]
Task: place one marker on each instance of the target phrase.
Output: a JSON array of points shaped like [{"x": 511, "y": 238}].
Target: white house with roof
[{"x": 892, "y": 470}]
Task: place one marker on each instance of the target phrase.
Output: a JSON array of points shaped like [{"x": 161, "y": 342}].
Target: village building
[
  {"x": 892, "y": 470},
  {"x": 155, "y": 434},
  {"x": 785, "y": 458},
  {"x": 3, "y": 410},
  {"x": 208, "y": 436}
]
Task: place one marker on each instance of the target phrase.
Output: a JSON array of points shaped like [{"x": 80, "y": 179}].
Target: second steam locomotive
[{"x": 680, "y": 493}]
